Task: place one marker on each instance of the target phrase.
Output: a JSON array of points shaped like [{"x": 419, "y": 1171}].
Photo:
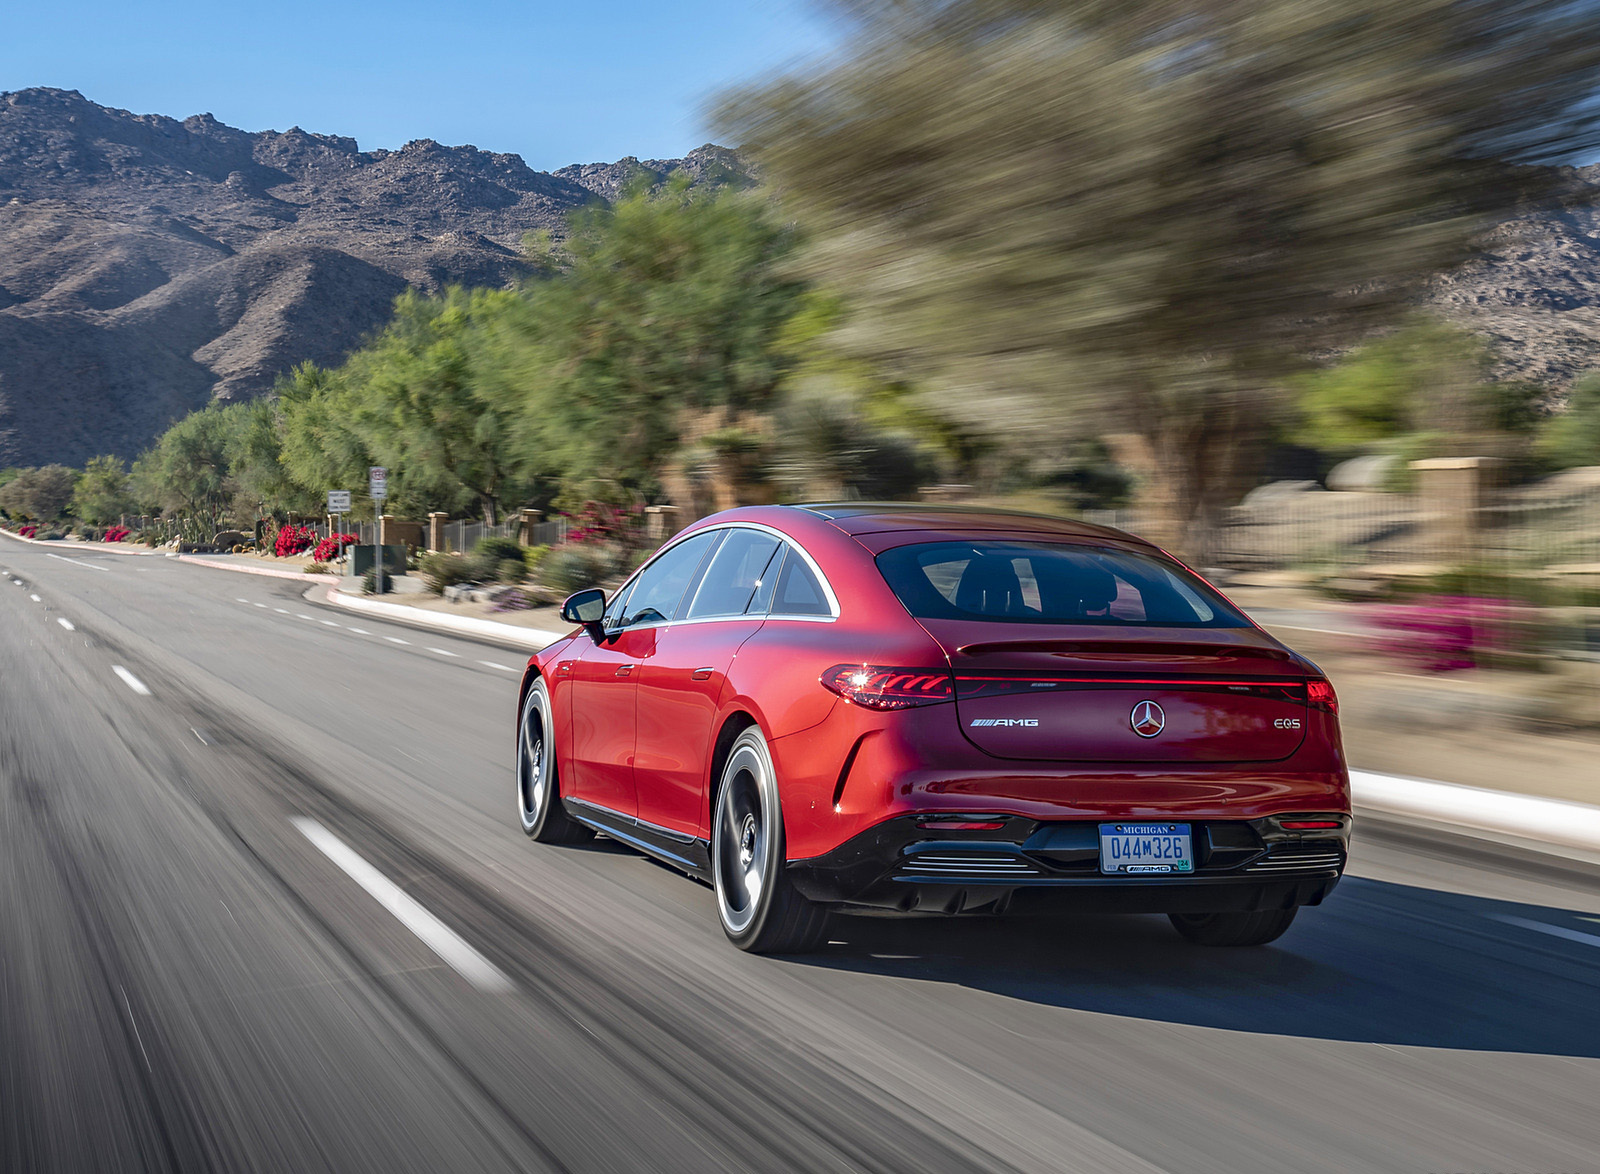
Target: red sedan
[{"x": 938, "y": 710}]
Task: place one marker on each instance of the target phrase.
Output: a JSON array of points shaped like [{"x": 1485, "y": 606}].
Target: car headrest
[{"x": 990, "y": 586}]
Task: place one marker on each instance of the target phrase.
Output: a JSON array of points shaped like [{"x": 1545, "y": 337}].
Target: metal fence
[{"x": 463, "y": 535}]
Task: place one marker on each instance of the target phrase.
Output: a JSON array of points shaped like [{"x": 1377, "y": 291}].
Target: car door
[
  {"x": 681, "y": 685},
  {"x": 605, "y": 679}
]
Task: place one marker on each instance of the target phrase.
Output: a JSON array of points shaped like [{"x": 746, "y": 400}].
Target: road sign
[
  {"x": 338, "y": 501},
  {"x": 378, "y": 482}
]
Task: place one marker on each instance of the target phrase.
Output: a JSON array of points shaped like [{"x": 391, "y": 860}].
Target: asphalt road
[{"x": 264, "y": 905}]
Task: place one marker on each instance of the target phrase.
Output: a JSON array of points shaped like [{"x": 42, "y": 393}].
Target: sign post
[
  {"x": 338, "y": 506},
  {"x": 377, "y": 489}
]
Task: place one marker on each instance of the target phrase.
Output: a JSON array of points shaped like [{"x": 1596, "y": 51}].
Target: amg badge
[{"x": 1005, "y": 721}]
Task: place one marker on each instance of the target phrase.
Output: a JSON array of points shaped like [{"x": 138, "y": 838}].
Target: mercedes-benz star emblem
[{"x": 1148, "y": 719}]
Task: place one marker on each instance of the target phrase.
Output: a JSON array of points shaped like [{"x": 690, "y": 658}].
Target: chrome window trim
[{"x": 827, "y": 587}]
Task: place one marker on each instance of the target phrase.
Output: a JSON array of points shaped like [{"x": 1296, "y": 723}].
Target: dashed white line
[
  {"x": 397, "y": 640},
  {"x": 1555, "y": 931},
  {"x": 282, "y": 611},
  {"x": 131, "y": 681},
  {"x": 361, "y": 631},
  {"x": 303, "y": 615},
  {"x": 239, "y": 600},
  {"x": 435, "y": 934},
  {"x": 330, "y": 623},
  {"x": 262, "y": 606},
  {"x": 443, "y": 651},
  {"x": 35, "y": 598},
  {"x": 65, "y": 623},
  {"x": 502, "y": 667},
  {"x": 79, "y": 561}
]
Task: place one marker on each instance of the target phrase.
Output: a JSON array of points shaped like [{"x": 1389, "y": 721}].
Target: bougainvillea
[
  {"x": 1445, "y": 633},
  {"x": 332, "y": 546},
  {"x": 115, "y": 534},
  {"x": 29, "y": 531},
  {"x": 293, "y": 540}
]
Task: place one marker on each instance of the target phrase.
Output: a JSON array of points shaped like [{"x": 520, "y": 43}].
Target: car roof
[{"x": 858, "y": 518}]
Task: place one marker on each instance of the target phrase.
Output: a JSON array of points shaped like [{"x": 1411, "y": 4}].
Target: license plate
[{"x": 1142, "y": 849}]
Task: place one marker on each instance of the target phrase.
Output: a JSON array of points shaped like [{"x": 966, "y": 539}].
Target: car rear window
[{"x": 1050, "y": 583}]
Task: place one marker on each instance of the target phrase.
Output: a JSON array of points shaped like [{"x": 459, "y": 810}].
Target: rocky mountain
[{"x": 149, "y": 265}]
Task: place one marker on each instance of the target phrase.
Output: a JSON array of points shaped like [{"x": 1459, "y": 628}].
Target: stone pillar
[
  {"x": 530, "y": 519},
  {"x": 384, "y": 522},
  {"x": 436, "y": 521},
  {"x": 1451, "y": 493},
  {"x": 660, "y": 522}
]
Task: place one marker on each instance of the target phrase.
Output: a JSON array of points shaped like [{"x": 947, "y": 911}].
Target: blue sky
[{"x": 554, "y": 83}]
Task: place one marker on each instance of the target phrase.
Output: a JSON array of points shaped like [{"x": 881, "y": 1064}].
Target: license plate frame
[{"x": 1145, "y": 848}]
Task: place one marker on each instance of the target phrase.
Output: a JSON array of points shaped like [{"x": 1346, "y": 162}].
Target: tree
[
  {"x": 101, "y": 496},
  {"x": 39, "y": 495},
  {"x": 186, "y": 472},
  {"x": 1141, "y": 214},
  {"x": 664, "y": 304},
  {"x": 1572, "y": 437}
]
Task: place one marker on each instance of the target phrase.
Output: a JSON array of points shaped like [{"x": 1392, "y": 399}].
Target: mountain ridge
[{"x": 149, "y": 265}]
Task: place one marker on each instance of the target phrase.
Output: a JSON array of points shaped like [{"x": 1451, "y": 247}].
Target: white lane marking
[
  {"x": 443, "y": 651},
  {"x": 238, "y": 600},
  {"x": 35, "y": 598},
  {"x": 131, "y": 681},
  {"x": 502, "y": 667},
  {"x": 65, "y": 623},
  {"x": 1555, "y": 931},
  {"x": 435, "y": 934},
  {"x": 397, "y": 640},
  {"x": 79, "y": 561},
  {"x": 262, "y": 606},
  {"x": 282, "y": 611},
  {"x": 330, "y": 623},
  {"x": 361, "y": 631},
  {"x": 303, "y": 615}
]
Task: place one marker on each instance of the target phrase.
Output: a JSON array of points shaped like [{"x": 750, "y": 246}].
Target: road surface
[{"x": 264, "y": 905}]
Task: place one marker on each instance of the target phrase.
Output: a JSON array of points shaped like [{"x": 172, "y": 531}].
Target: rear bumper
[{"x": 1029, "y": 865}]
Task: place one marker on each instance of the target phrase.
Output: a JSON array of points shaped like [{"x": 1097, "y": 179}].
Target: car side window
[
  {"x": 761, "y": 599},
  {"x": 798, "y": 591},
  {"x": 733, "y": 575},
  {"x": 660, "y": 586},
  {"x": 612, "y": 620}
]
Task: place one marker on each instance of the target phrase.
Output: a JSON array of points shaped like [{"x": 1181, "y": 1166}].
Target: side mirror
[{"x": 588, "y": 608}]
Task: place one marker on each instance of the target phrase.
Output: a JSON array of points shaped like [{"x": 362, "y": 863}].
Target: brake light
[
  {"x": 1320, "y": 695},
  {"x": 1304, "y": 825},
  {"x": 877, "y": 687},
  {"x": 961, "y": 825}
]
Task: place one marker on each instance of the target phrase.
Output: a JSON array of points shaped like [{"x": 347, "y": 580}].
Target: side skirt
[{"x": 688, "y": 853}]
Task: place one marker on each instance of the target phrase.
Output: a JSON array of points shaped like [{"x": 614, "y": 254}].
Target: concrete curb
[
  {"x": 532, "y": 639},
  {"x": 1549, "y": 821},
  {"x": 271, "y": 572},
  {"x": 107, "y": 547}
]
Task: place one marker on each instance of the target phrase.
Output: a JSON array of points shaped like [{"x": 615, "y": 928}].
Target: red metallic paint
[{"x": 920, "y": 760}]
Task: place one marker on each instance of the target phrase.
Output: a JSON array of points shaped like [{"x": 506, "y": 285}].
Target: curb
[
  {"x": 532, "y": 639},
  {"x": 271, "y": 572},
  {"x": 106, "y": 547},
  {"x": 1548, "y": 821}
]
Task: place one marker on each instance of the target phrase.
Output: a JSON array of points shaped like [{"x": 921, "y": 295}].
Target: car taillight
[
  {"x": 877, "y": 687},
  {"x": 1320, "y": 695},
  {"x": 1303, "y": 825}
]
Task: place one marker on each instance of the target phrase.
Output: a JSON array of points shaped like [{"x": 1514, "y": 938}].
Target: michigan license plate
[{"x": 1142, "y": 849}]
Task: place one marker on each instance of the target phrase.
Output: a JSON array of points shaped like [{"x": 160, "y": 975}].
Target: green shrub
[
  {"x": 511, "y": 570},
  {"x": 369, "y": 582},
  {"x": 574, "y": 566},
  {"x": 316, "y": 568},
  {"x": 441, "y": 570},
  {"x": 534, "y": 556},
  {"x": 499, "y": 549}
]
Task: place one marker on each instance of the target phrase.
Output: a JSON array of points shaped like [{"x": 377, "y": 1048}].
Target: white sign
[
  {"x": 338, "y": 501},
  {"x": 377, "y": 482}
]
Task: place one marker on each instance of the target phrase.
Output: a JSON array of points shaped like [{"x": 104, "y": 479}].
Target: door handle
[
  {"x": 624, "y": 670},
  {"x": 702, "y": 674}
]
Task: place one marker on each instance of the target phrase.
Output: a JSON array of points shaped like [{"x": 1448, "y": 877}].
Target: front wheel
[
  {"x": 538, "y": 787},
  {"x": 759, "y": 908},
  {"x": 1233, "y": 929}
]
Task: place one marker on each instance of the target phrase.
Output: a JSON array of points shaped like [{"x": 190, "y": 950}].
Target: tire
[
  {"x": 538, "y": 782},
  {"x": 759, "y": 908},
  {"x": 1233, "y": 929}
]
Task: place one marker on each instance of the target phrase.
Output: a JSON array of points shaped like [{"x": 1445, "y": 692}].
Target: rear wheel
[
  {"x": 1233, "y": 929},
  {"x": 538, "y": 788},
  {"x": 759, "y": 908}
]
